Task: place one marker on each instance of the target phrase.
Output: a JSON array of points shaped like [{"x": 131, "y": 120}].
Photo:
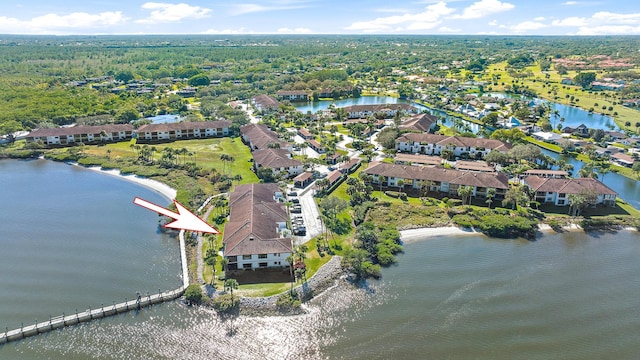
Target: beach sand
[
  {"x": 424, "y": 233},
  {"x": 163, "y": 189}
]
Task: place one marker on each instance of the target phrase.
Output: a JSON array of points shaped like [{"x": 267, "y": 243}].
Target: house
[
  {"x": 413, "y": 159},
  {"x": 303, "y": 180},
  {"x": 182, "y": 131},
  {"x": 315, "y": 145},
  {"x": 622, "y": 159},
  {"x": 478, "y": 166},
  {"x": 378, "y": 124},
  {"x": 433, "y": 144},
  {"x": 567, "y": 81},
  {"x": 334, "y": 178},
  {"x": 265, "y": 103},
  {"x": 632, "y": 142},
  {"x": 333, "y": 159},
  {"x": 278, "y": 160},
  {"x": 350, "y": 166},
  {"x": 187, "y": 91},
  {"x": 543, "y": 173},
  {"x": 581, "y": 130},
  {"x": 388, "y": 110},
  {"x": 68, "y": 136},
  {"x": 557, "y": 191},
  {"x": 446, "y": 181},
  {"x": 511, "y": 123},
  {"x": 293, "y": 95},
  {"x": 420, "y": 123},
  {"x": 545, "y": 136},
  {"x": 256, "y": 235},
  {"x": 305, "y": 134},
  {"x": 615, "y": 136},
  {"x": 259, "y": 136}
]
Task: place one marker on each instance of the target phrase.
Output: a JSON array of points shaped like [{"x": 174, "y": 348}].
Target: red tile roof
[
  {"x": 459, "y": 141},
  {"x": 81, "y": 129},
  {"x": 568, "y": 186},
  {"x": 498, "y": 181},
  {"x": 252, "y": 227},
  {"x": 187, "y": 125},
  {"x": 274, "y": 158}
]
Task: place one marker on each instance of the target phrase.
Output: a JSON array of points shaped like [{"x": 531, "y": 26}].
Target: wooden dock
[{"x": 139, "y": 302}]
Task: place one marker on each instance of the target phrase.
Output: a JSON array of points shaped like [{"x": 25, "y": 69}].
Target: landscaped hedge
[{"x": 396, "y": 194}]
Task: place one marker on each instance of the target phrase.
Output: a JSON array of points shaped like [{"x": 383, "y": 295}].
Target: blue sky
[{"x": 493, "y": 17}]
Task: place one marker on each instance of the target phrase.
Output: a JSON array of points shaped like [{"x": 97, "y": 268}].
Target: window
[
  {"x": 276, "y": 254},
  {"x": 246, "y": 266},
  {"x": 562, "y": 195},
  {"x": 232, "y": 259},
  {"x": 262, "y": 264},
  {"x": 262, "y": 256},
  {"x": 246, "y": 257},
  {"x": 560, "y": 202}
]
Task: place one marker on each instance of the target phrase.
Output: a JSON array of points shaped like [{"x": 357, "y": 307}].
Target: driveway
[{"x": 310, "y": 214}]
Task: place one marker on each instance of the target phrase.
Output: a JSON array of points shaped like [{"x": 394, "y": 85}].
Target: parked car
[
  {"x": 296, "y": 209},
  {"x": 292, "y": 193},
  {"x": 295, "y": 200}
]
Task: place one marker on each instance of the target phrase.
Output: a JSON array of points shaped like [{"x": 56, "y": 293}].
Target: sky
[{"x": 464, "y": 17}]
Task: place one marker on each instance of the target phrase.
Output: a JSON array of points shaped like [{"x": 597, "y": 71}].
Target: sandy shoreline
[
  {"x": 161, "y": 188},
  {"x": 420, "y": 234}
]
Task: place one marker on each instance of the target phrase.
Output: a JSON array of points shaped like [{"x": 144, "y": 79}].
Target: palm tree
[
  {"x": 224, "y": 158},
  {"x": 109, "y": 154},
  {"x": 231, "y": 284},
  {"x": 491, "y": 193},
  {"x": 210, "y": 259},
  {"x": 465, "y": 193}
]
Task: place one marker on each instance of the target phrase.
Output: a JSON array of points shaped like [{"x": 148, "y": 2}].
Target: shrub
[
  {"x": 464, "y": 220},
  {"x": 393, "y": 194},
  {"x": 193, "y": 294},
  {"x": 225, "y": 303},
  {"x": 454, "y": 202},
  {"x": 90, "y": 161},
  {"x": 505, "y": 226},
  {"x": 288, "y": 301}
]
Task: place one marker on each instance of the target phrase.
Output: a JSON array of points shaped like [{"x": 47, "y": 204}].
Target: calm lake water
[
  {"x": 363, "y": 100},
  {"x": 569, "y": 296},
  {"x": 71, "y": 238},
  {"x": 164, "y": 119}
]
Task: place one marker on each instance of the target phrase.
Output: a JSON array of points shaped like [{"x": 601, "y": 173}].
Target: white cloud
[
  {"x": 526, "y": 26},
  {"x": 444, "y": 29},
  {"x": 603, "y": 23},
  {"x": 570, "y": 3},
  {"x": 493, "y": 23},
  {"x": 239, "y": 9},
  {"x": 540, "y": 18},
  {"x": 241, "y": 30},
  {"x": 609, "y": 30},
  {"x": 483, "y": 8},
  {"x": 615, "y": 18},
  {"x": 166, "y": 12},
  {"x": 298, "y": 30},
  {"x": 428, "y": 19},
  {"x": 572, "y": 21},
  {"x": 60, "y": 24}
]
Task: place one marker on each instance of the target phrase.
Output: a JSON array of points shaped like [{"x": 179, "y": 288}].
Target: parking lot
[{"x": 304, "y": 212}]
